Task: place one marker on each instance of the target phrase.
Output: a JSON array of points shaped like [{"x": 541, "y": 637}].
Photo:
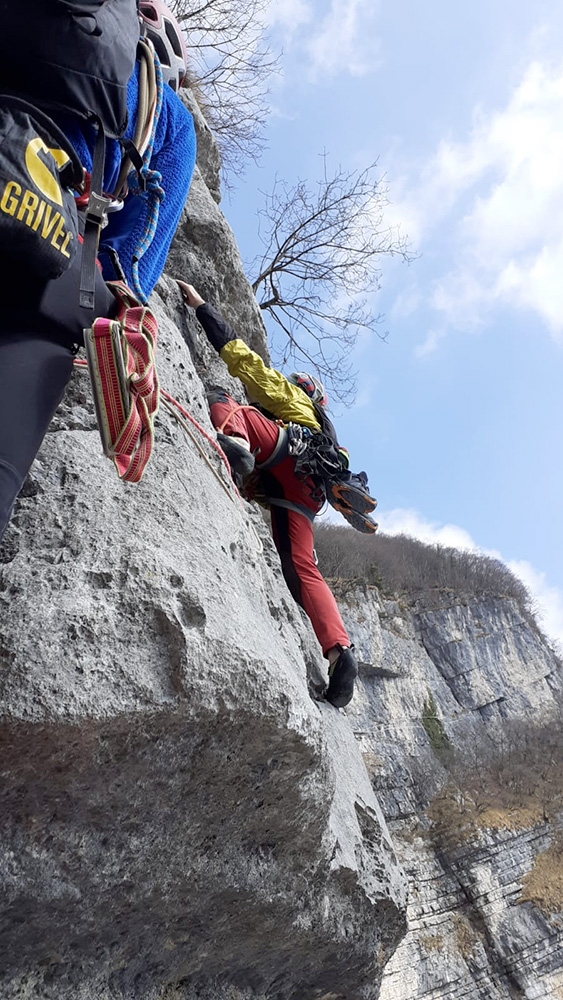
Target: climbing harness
[{"x": 316, "y": 457}]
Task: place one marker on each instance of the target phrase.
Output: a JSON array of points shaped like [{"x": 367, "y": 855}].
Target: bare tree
[
  {"x": 322, "y": 252},
  {"x": 230, "y": 64},
  {"x": 406, "y": 567}
]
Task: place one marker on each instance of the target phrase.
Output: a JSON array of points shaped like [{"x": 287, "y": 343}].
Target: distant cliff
[{"x": 458, "y": 714}]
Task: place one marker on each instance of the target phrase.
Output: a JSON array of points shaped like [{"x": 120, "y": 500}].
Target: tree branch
[{"x": 324, "y": 247}]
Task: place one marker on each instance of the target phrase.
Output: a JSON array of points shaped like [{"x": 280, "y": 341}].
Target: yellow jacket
[{"x": 269, "y": 387}]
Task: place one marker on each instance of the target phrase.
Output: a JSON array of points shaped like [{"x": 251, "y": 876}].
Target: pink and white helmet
[
  {"x": 163, "y": 30},
  {"x": 311, "y": 386}
]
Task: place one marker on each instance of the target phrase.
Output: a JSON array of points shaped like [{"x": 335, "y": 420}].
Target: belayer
[
  {"x": 97, "y": 153},
  {"x": 284, "y": 451}
]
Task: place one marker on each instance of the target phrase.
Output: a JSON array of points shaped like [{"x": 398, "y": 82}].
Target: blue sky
[{"x": 459, "y": 415}]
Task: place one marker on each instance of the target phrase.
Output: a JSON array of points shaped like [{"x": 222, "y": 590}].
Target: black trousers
[{"x": 41, "y": 324}]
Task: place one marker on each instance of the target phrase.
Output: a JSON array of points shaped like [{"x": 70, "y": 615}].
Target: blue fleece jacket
[{"x": 173, "y": 156}]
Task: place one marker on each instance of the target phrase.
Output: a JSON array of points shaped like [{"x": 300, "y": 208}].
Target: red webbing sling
[{"x": 121, "y": 363}]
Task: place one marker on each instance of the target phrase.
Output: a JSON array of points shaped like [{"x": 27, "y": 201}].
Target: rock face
[
  {"x": 179, "y": 817},
  {"x": 474, "y": 931}
]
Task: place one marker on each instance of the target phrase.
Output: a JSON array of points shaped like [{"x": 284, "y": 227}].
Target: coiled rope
[{"x": 149, "y": 187}]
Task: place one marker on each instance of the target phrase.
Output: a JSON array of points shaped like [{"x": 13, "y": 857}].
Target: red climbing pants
[{"x": 292, "y": 531}]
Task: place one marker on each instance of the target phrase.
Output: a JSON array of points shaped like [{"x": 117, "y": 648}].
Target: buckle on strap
[{"x": 97, "y": 209}]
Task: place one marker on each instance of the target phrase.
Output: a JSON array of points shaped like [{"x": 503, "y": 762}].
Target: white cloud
[
  {"x": 430, "y": 345},
  {"x": 406, "y": 302},
  {"x": 326, "y": 39},
  {"x": 346, "y": 41},
  {"x": 537, "y": 283},
  {"x": 549, "y": 599},
  {"x": 500, "y": 193},
  {"x": 403, "y": 521},
  {"x": 289, "y": 15}
]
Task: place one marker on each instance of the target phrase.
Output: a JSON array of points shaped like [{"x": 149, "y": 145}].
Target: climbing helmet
[
  {"x": 163, "y": 30},
  {"x": 310, "y": 385}
]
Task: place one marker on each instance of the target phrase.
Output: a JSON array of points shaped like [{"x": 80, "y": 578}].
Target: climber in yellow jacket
[{"x": 253, "y": 440}]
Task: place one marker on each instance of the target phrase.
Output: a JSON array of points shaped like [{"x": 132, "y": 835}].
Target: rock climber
[
  {"x": 42, "y": 321},
  {"x": 250, "y": 440}
]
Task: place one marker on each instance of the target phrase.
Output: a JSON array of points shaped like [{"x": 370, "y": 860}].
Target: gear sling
[{"x": 318, "y": 455}]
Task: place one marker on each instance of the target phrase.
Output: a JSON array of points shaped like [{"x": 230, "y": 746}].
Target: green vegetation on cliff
[{"x": 399, "y": 565}]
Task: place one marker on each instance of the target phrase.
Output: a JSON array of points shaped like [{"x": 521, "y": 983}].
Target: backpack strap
[{"x": 95, "y": 218}]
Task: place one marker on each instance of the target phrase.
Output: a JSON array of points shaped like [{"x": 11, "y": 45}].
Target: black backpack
[
  {"x": 74, "y": 57},
  {"x": 63, "y": 56}
]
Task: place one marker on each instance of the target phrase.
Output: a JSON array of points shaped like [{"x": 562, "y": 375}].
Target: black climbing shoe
[
  {"x": 342, "y": 676},
  {"x": 361, "y": 522},
  {"x": 350, "y": 491},
  {"x": 240, "y": 459}
]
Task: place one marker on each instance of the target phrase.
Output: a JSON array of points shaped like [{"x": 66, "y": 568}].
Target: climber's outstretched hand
[{"x": 189, "y": 294}]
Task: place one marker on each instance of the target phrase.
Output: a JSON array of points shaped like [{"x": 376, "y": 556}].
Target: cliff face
[
  {"x": 179, "y": 817},
  {"x": 450, "y": 688}
]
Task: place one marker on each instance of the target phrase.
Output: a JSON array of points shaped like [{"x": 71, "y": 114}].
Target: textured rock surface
[
  {"x": 208, "y": 157},
  {"x": 204, "y": 252},
  {"x": 471, "y": 936},
  {"x": 179, "y": 818}
]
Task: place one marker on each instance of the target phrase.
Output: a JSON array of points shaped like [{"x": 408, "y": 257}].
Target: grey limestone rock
[
  {"x": 204, "y": 253},
  {"x": 472, "y": 935},
  {"x": 179, "y": 817},
  {"x": 208, "y": 156}
]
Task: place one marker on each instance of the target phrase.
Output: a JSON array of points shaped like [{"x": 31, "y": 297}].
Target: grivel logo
[
  {"x": 40, "y": 173},
  {"x": 35, "y": 212}
]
